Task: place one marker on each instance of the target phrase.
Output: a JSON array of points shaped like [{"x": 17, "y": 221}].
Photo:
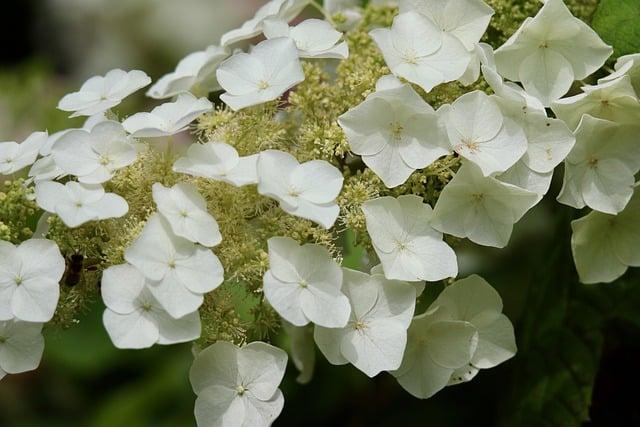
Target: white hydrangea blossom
[
  {"x": 599, "y": 171},
  {"x": 314, "y": 38},
  {"x": 238, "y": 386},
  {"x": 29, "y": 277},
  {"x": 134, "y": 318},
  {"x": 21, "y": 346},
  {"x": 303, "y": 284},
  {"x": 17, "y": 156},
  {"x": 462, "y": 331},
  {"x": 100, "y": 93},
  {"x": 626, "y": 65},
  {"x": 306, "y": 190},
  {"x": 408, "y": 247},
  {"x": 376, "y": 335}
]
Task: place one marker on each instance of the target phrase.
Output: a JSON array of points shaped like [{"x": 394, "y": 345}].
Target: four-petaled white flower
[
  {"x": 271, "y": 69},
  {"x": 195, "y": 72},
  {"x": 101, "y": 93},
  {"x": 614, "y": 100},
  {"x": 219, "y": 161},
  {"x": 376, "y": 335},
  {"x": 21, "y": 346},
  {"x": 17, "y": 156},
  {"x": 314, "y": 38},
  {"x": 77, "y": 203},
  {"x": 94, "y": 155},
  {"x": 408, "y": 247},
  {"x": 169, "y": 118},
  {"x": 186, "y": 212},
  {"x": 29, "y": 276},
  {"x": 179, "y": 271},
  {"x": 395, "y": 132},
  {"x": 238, "y": 386},
  {"x": 462, "y": 331},
  {"x": 605, "y": 245},
  {"x": 483, "y": 209},
  {"x": 550, "y": 51},
  {"x": 415, "y": 48},
  {"x": 134, "y": 318},
  {"x": 303, "y": 284},
  {"x": 599, "y": 171},
  {"x": 479, "y": 132},
  {"x": 306, "y": 190}
]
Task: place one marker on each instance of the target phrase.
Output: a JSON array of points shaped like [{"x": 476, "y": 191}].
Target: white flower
[
  {"x": 195, "y": 72},
  {"x": 524, "y": 177},
  {"x": 15, "y": 157},
  {"x": 238, "y": 386},
  {"x": 626, "y": 65},
  {"x": 179, "y": 271},
  {"x": 467, "y": 20},
  {"x": 186, "y": 212},
  {"x": 279, "y": 9},
  {"x": 219, "y": 161},
  {"x": 463, "y": 331},
  {"x": 550, "y": 51},
  {"x": 271, "y": 69},
  {"x": 134, "y": 318},
  {"x": 408, "y": 247},
  {"x": 306, "y": 190},
  {"x": 395, "y": 132},
  {"x": 303, "y": 350},
  {"x": 483, "y": 209},
  {"x": 77, "y": 203},
  {"x": 45, "y": 169},
  {"x": 94, "y": 155},
  {"x": 599, "y": 171},
  {"x": 479, "y": 132},
  {"x": 89, "y": 123},
  {"x": 417, "y": 50},
  {"x": 376, "y": 335},
  {"x": 613, "y": 100},
  {"x": 169, "y": 118},
  {"x": 29, "y": 276},
  {"x": 303, "y": 284},
  {"x": 314, "y": 38},
  {"x": 21, "y": 346},
  {"x": 604, "y": 245},
  {"x": 101, "y": 93}
]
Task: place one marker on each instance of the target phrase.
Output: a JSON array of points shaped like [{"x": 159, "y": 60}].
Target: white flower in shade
[
  {"x": 483, "y": 209},
  {"x": 134, "y": 318},
  {"x": 463, "y": 331},
  {"x": 29, "y": 276},
  {"x": 550, "y": 51},
  {"x": 219, "y": 161},
  {"x": 303, "y": 350},
  {"x": 376, "y": 335},
  {"x": 77, "y": 203},
  {"x": 605, "y": 245},
  {"x": 101, "y": 93},
  {"x": 415, "y": 49},
  {"x": 17, "y": 156},
  {"x": 599, "y": 171},
  {"x": 478, "y": 131},
  {"x": 238, "y": 386},
  {"x": 626, "y": 65},
  {"x": 195, "y": 72},
  {"x": 467, "y": 20},
  {"x": 303, "y": 284},
  {"x": 306, "y": 190},
  {"x": 614, "y": 100},
  {"x": 186, "y": 212},
  {"x": 93, "y": 156},
  {"x": 21, "y": 346},
  {"x": 169, "y": 118},
  {"x": 314, "y": 38},
  {"x": 271, "y": 69},
  {"x": 395, "y": 132},
  {"x": 179, "y": 271},
  {"x": 408, "y": 247}
]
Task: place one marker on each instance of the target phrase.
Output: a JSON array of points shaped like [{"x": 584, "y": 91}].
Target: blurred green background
[{"x": 578, "y": 344}]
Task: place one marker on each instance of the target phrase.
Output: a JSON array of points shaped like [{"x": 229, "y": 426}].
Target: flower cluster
[{"x": 399, "y": 125}]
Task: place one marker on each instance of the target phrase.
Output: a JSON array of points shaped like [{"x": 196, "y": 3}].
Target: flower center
[
  {"x": 396, "y": 130},
  {"x": 469, "y": 144},
  {"x": 293, "y": 192},
  {"x": 172, "y": 263},
  {"x": 184, "y": 214},
  {"x": 78, "y": 204},
  {"x": 359, "y": 325},
  {"x": 478, "y": 197},
  {"x": 410, "y": 57},
  {"x": 104, "y": 160},
  {"x": 3, "y": 340},
  {"x": 146, "y": 306},
  {"x": 262, "y": 85},
  {"x": 240, "y": 389},
  {"x": 593, "y": 162},
  {"x": 543, "y": 45},
  {"x": 18, "y": 280},
  {"x": 605, "y": 103},
  {"x": 303, "y": 284}
]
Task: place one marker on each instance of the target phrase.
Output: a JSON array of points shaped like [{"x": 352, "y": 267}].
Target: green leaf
[{"x": 618, "y": 23}]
